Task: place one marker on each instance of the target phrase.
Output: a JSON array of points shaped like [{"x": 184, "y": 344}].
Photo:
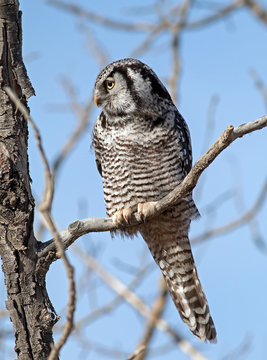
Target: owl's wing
[
  {"x": 97, "y": 145},
  {"x": 99, "y": 166},
  {"x": 184, "y": 142}
]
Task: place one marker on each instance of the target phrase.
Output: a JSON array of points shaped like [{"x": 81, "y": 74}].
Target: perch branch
[{"x": 85, "y": 226}]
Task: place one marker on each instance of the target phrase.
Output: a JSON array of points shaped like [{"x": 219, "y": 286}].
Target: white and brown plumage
[{"x": 143, "y": 151}]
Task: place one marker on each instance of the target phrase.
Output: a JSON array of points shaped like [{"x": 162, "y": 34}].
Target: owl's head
[{"x": 128, "y": 85}]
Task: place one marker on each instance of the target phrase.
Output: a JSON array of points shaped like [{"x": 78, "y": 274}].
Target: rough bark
[{"x": 28, "y": 304}]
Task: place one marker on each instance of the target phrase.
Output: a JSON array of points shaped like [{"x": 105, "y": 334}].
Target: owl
[{"x": 143, "y": 151}]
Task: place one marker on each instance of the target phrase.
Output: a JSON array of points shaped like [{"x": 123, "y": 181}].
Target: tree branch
[
  {"x": 132, "y": 299},
  {"x": 175, "y": 48},
  {"x": 93, "y": 17},
  {"x": 156, "y": 313},
  {"x": 45, "y": 208},
  {"x": 245, "y": 218},
  {"x": 221, "y": 13},
  {"x": 257, "y": 10},
  {"x": 85, "y": 226},
  {"x": 28, "y": 304},
  {"x": 138, "y": 353}
]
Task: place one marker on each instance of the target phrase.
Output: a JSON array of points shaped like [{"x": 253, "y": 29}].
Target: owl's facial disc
[
  {"x": 102, "y": 91},
  {"x": 113, "y": 94}
]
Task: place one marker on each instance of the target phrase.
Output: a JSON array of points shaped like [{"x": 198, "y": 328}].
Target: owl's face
[{"x": 127, "y": 86}]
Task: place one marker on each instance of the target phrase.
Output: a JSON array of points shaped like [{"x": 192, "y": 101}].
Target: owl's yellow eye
[{"x": 110, "y": 83}]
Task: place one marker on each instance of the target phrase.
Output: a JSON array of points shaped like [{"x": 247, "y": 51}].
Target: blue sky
[{"x": 216, "y": 61}]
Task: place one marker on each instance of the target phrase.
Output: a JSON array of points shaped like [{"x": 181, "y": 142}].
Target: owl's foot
[
  {"x": 145, "y": 210},
  {"x": 122, "y": 215}
]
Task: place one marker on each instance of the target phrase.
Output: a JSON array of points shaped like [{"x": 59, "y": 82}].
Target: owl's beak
[{"x": 95, "y": 100}]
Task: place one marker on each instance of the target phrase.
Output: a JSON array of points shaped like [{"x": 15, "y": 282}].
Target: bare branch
[
  {"x": 82, "y": 125},
  {"x": 209, "y": 127},
  {"x": 241, "y": 350},
  {"x": 156, "y": 313},
  {"x": 256, "y": 9},
  {"x": 82, "y": 227},
  {"x": 173, "y": 81},
  {"x": 83, "y": 114},
  {"x": 214, "y": 17},
  {"x": 138, "y": 353},
  {"x": 68, "y": 327},
  {"x": 138, "y": 304},
  {"x": 259, "y": 85},
  {"x": 88, "y": 15},
  {"x": 244, "y": 219},
  {"x": 93, "y": 45},
  {"x": 114, "y": 303},
  {"x": 143, "y": 46},
  {"x": 254, "y": 6},
  {"x": 176, "y": 31},
  {"x": 45, "y": 208}
]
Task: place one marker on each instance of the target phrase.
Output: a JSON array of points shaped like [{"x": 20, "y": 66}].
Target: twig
[
  {"x": 115, "y": 24},
  {"x": 257, "y": 10},
  {"x": 210, "y": 121},
  {"x": 112, "y": 304},
  {"x": 94, "y": 46},
  {"x": 138, "y": 304},
  {"x": 174, "y": 78},
  {"x": 209, "y": 127},
  {"x": 83, "y": 114},
  {"x": 105, "y": 351},
  {"x": 156, "y": 313},
  {"x": 148, "y": 40},
  {"x": 138, "y": 353},
  {"x": 82, "y": 227},
  {"x": 214, "y": 17},
  {"x": 241, "y": 351},
  {"x": 176, "y": 31},
  {"x": 44, "y": 207},
  {"x": 260, "y": 86},
  {"x": 244, "y": 219}
]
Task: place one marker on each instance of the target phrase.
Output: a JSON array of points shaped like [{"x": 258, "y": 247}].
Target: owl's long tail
[{"x": 169, "y": 245}]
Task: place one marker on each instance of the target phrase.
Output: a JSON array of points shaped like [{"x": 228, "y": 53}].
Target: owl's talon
[
  {"x": 117, "y": 218},
  {"x": 127, "y": 213},
  {"x": 145, "y": 210},
  {"x": 139, "y": 216},
  {"x": 122, "y": 215}
]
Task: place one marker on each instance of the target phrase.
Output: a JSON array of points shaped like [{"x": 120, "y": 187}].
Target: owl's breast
[{"x": 139, "y": 166}]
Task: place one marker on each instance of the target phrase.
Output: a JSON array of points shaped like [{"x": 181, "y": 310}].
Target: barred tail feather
[
  {"x": 190, "y": 300},
  {"x": 173, "y": 255}
]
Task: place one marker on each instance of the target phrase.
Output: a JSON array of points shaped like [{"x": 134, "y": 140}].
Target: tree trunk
[{"x": 29, "y": 307}]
